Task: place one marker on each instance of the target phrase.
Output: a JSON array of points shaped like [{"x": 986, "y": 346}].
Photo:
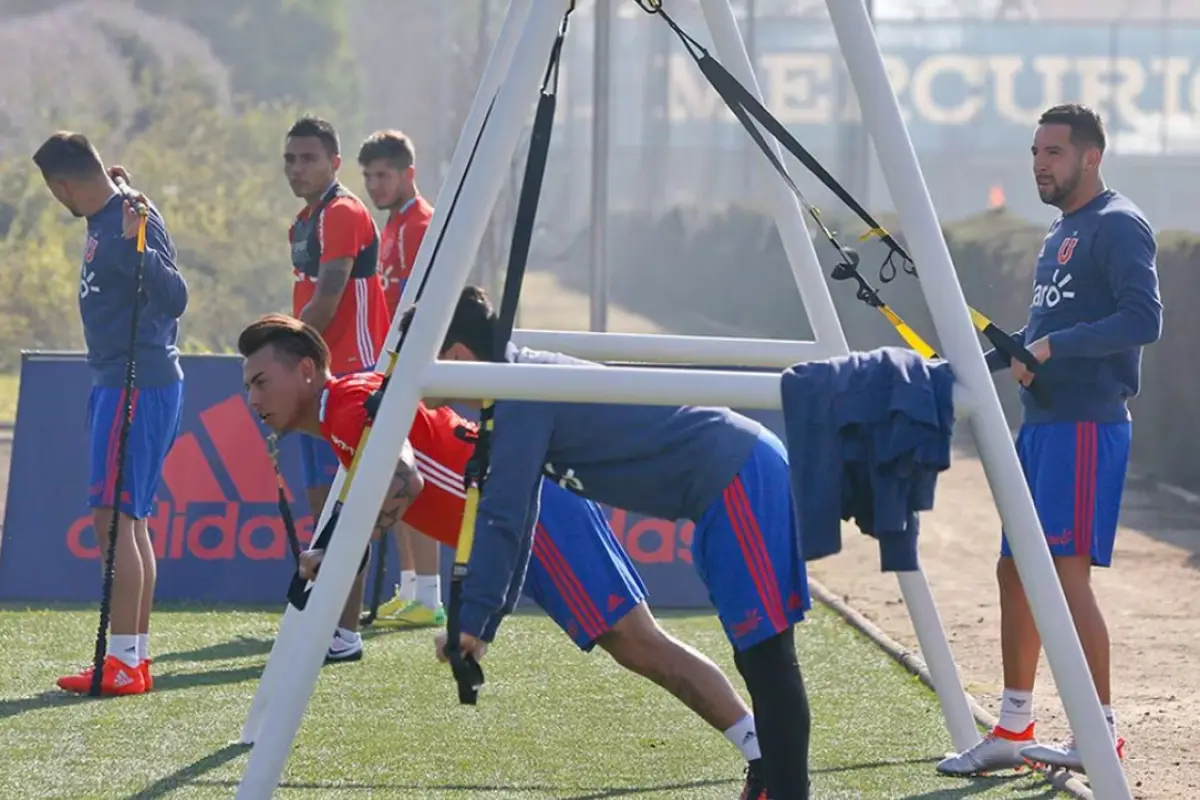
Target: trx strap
[
  {"x": 299, "y": 588},
  {"x": 747, "y": 108},
  {"x": 467, "y": 672}
]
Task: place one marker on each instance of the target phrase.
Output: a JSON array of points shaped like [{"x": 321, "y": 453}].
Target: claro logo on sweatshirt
[{"x": 222, "y": 495}]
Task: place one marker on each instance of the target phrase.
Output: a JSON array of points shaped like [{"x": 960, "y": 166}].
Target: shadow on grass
[
  {"x": 981, "y": 785},
  {"x": 56, "y": 698},
  {"x": 240, "y": 647},
  {"x": 188, "y": 775},
  {"x": 556, "y": 791}
]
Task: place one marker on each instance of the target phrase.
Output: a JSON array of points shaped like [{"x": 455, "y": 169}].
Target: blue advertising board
[{"x": 216, "y": 527}]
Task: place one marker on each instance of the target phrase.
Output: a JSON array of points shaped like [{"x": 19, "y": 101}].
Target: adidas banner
[{"x": 216, "y": 528}]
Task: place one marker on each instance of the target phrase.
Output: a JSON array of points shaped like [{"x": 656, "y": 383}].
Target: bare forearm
[
  {"x": 331, "y": 282},
  {"x": 406, "y": 485}
]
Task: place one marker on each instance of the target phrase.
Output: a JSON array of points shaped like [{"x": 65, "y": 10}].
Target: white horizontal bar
[
  {"x": 654, "y": 386},
  {"x": 717, "y": 351}
]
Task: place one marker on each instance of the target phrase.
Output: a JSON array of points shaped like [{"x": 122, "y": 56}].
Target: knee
[
  {"x": 636, "y": 644},
  {"x": 1006, "y": 573}
]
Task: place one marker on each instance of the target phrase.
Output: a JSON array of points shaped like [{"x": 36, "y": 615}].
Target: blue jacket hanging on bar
[{"x": 867, "y": 435}]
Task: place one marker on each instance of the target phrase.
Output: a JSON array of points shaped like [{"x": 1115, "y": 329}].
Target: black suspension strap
[
  {"x": 747, "y": 109},
  {"x": 299, "y": 588},
  {"x": 467, "y": 672},
  {"x": 285, "y": 510},
  {"x": 114, "y": 525},
  {"x": 368, "y": 619}
]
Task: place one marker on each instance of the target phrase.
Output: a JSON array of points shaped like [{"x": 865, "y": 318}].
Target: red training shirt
[
  {"x": 441, "y": 456},
  {"x": 345, "y": 229},
  {"x": 398, "y": 249}
]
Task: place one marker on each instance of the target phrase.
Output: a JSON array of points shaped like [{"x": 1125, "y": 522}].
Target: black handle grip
[{"x": 467, "y": 674}]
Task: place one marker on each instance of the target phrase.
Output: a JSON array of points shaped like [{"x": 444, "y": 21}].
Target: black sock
[{"x": 781, "y": 714}]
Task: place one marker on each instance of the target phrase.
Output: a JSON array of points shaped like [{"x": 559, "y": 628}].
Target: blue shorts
[
  {"x": 1076, "y": 474},
  {"x": 579, "y": 573},
  {"x": 747, "y": 553},
  {"x": 319, "y": 462},
  {"x": 157, "y": 412}
]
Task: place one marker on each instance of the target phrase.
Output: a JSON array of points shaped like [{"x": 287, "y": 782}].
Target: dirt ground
[{"x": 1151, "y": 597}]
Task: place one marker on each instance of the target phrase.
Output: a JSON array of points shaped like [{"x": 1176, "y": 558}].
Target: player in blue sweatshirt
[
  {"x": 77, "y": 178},
  {"x": 1095, "y": 306},
  {"x": 724, "y": 472}
]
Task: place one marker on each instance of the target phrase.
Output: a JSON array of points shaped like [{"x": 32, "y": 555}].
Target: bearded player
[
  {"x": 388, "y": 161},
  {"x": 1095, "y": 306},
  {"x": 579, "y": 574}
]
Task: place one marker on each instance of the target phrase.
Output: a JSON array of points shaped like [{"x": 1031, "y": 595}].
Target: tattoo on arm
[
  {"x": 406, "y": 485},
  {"x": 331, "y": 282}
]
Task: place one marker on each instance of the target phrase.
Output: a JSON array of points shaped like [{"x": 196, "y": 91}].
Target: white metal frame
[{"x": 512, "y": 77}]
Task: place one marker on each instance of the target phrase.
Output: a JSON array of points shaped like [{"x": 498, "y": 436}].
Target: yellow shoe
[
  {"x": 412, "y": 615},
  {"x": 391, "y": 607}
]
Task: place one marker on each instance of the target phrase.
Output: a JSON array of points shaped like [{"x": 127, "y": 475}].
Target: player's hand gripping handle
[{"x": 468, "y": 675}]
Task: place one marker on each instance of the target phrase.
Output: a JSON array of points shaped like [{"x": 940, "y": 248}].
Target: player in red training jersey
[
  {"x": 388, "y": 162},
  {"x": 336, "y": 289},
  {"x": 579, "y": 573}
]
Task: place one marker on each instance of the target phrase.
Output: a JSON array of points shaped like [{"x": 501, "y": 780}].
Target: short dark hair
[
  {"x": 67, "y": 154},
  {"x": 317, "y": 128},
  {"x": 1087, "y": 129},
  {"x": 473, "y": 324},
  {"x": 289, "y": 336},
  {"x": 392, "y": 145}
]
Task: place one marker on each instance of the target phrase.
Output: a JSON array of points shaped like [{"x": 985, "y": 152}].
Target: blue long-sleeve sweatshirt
[
  {"x": 1095, "y": 294},
  {"x": 867, "y": 435},
  {"x": 106, "y": 300},
  {"x": 667, "y": 462}
]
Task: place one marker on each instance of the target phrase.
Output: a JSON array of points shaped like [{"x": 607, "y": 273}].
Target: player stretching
[
  {"x": 1095, "y": 305},
  {"x": 388, "y": 162},
  {"x": 580, "y": 574},
  {"x": 722, "y": 471},
  {"x": 337, "y": 290},
  {"x": 76, "y": 177}
]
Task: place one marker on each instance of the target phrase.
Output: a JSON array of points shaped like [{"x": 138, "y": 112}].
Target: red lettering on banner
[
  {"x": 234, "y": 530},
  {"x": 653, "y": 541}
]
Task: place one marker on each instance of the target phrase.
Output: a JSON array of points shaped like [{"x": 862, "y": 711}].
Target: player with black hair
[
  {"x": 77, "y": 178},
  {"x": 724, "y": 472},
  {"x": 337, "y": 289},
  {"x": 1095, "y": 306},
  {"x": 579, "y": 573}
]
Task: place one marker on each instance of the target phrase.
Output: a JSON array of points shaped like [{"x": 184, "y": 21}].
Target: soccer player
[
  {"x": 1095, "y": 306},
  {"x": 724, "y": 472},
  {"x": 388, "y": 162},
  {"x": 580, "y": 575},
  {"x": 337, "y": 290},
  {"x": 77, "y": 178}
]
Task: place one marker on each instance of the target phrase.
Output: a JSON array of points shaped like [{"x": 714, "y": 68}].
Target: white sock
[
  {"x": 1111, "y": 716},
  {"x": 745, "y": 738},
  {"x": 1016, "y": 710},
  {"x": 429, "y": 591},
  {"x": 408, "y": 586},
  {"x": 346, "y": 633},
  {"x": 143, "y": 646},
  {"x": 125, "y": 647}
]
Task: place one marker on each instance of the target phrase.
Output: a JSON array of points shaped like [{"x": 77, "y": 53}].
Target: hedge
[{"x": 725, "y": 273}]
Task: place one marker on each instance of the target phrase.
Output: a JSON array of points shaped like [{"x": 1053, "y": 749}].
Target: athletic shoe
[
  {"x": 412, "y": 615},
  {"x": 391, "y": 606},
  {"x": 119, "y": 679},
  {"x": 1065, "y": 755},
  {"x": 344, "y": 648},
  {"x": 999, "y": 750},
  {"x": 146, "y": 676},
  {"x": 755, "y": 787}
]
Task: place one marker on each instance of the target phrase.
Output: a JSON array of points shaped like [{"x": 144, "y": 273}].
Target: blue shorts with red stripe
[
  {"x": 747, "y": 553},
  {"x": 579, "y": 573},
  {"x": 157, "y": 412},
  {"x": 1076, "y": 474}
]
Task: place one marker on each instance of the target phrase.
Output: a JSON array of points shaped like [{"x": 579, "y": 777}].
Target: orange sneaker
[
  {"x": 144, "y": 668},
  {"x": 119, "y": 679}
]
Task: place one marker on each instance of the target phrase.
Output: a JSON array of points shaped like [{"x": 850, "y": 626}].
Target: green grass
[{"x": 552, "y": 722}]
